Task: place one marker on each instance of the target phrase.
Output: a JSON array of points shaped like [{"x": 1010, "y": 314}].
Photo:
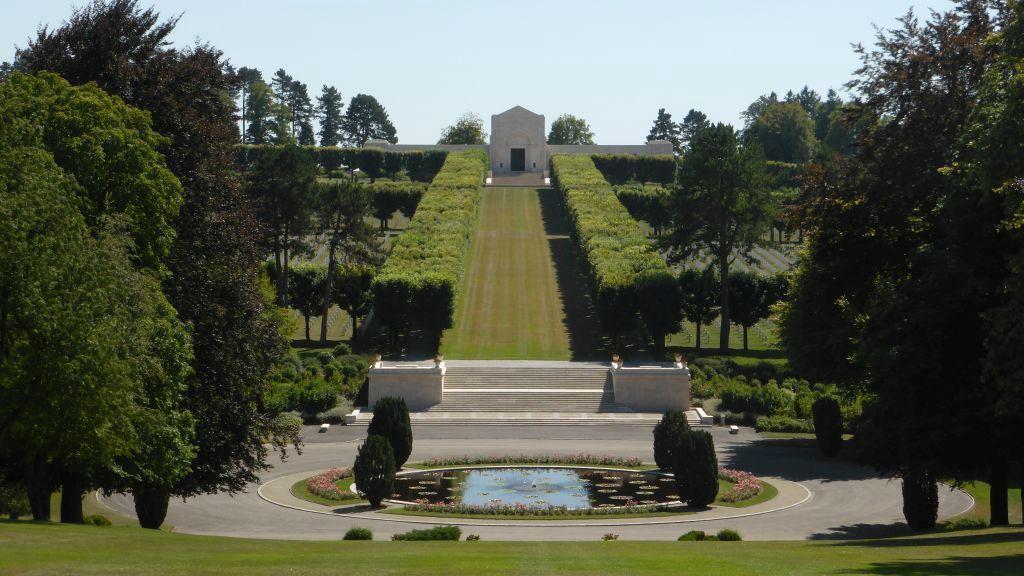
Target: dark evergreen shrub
[
  {"x": 358, "y": 534},
  {"x": 96, "y": 520},
  {"x": 436, "y": 533},
  {"x": 828, "y": 425},
  {"x": 391, "y": 420},
  {"x": 342, "y": 349},
  {"x": 920, "y": 499},
  {"x": 374, "y": 469},
  {"x": 666, "y": 438},
  {"x": 693, "y": 536},
  {"x": 13, "y": 500},
  {"x": 696, "y": 469},
  {"x": 728, "y": 535},
  {"x": 151, "y": 505}
]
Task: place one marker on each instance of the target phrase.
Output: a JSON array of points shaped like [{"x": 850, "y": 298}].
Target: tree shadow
[
  {"x": 578, "y": 311},
  {"x": 953, "y": 565},
  {"x": 791, "y": 459}
]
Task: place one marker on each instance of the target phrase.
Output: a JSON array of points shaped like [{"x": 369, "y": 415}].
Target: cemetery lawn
[
  {"x": 43, "y": 548},
  {"x": 522, "y": 295}
]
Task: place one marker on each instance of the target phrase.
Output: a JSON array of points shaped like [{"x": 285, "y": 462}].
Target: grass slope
[
  {"x": 513, "y": 300},
  {"x": 27, "y": 548}
]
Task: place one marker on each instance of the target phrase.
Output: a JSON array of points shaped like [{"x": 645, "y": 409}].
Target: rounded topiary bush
[
  {"x": 693, "y": 536},
  {"x": 696, "y": 469},
  {"x": 728, "y": 535},
  {"x": 920, "y": 499},
  {"x": 358, "y": 534},
  {"x": 828, "y": 425},
  {"x": 666, "y": 438},
  {"x": 374, "y": 469},
  {"x": 96, "y": 520},
  {"x": 391, "y": 420}
]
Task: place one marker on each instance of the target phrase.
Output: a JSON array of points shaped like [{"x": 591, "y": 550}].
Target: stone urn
[
  {"x": 616, "y": 361},
  {"x": 376, "y": 359},
  {"x": 438, "y": 360}
]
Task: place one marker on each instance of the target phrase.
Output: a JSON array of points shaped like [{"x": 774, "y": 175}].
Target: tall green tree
[
  {"x": 214, "y": 262},
  {"x": 751, "y": 300},
  {"x": 665, "y": 128},
  {"x": 391, "y": 421},
  {"x": 699, "y": 299},
  {"x": 374, "y": 469},
  {"x": 720, "y": 206},
  {"x": 785, "y": 132},
  {"x": 246, "y": 77},
  {"x": 467, "y": 129},
  {"x": 305, "y": 291},
  {"x": 353, "y": 293},
  {"x": 280, "y": 183},
  {"x": 569, "y": 129},
  {"x": 693, "y": 122},
  {"x": 342, "y": 210},
  {"x": 328, "y": 112},
  {"x": 259, "y": 111},
  {"x": 366, "y": 119},
  {"x": 302, "y": 114}
]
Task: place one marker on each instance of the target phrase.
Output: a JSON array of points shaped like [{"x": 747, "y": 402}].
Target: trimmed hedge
[
  {"x": 428, "y": 534},
  {"x": 616, "y": 248},
  {"x": 645, "y": 202},
  {"x": 419, "y": 282},
  {"x": 422, "y": 166},
  {"x": 621, "y": 168}
]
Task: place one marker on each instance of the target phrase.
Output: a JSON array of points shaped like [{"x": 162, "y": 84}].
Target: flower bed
[
  {"x": 499, "y": 509},
  {"x": 325, "y": 485},
  {"x": 744, "y": 485},
  {"x": 580, "y": 459}
]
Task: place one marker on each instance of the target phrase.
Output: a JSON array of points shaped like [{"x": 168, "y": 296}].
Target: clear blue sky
[{"x": 612, "y": 62}]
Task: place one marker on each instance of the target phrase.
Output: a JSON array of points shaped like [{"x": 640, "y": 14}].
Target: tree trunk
[
  {"x": 279, "y": 267},
  {"x": 71, "y": 498},
  {"x": 39, "y": 486},
  {"x": 998, "y": 485},
  {"x": 328, "y": 287},
  {"x": 355, "y": 327},
  {"x": 697, "y": 343},
  {"x": 284, "y": 270},
  {"x": 723, "y": 334},
  {"x": 307, "y": 327},
  {"x": 745, "y": 338},
  {"x": 659, "y": 346},
  {"x": 151, "y": 505}
]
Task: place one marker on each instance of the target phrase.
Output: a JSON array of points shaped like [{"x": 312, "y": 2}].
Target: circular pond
[{"x": 536, "y": 487}]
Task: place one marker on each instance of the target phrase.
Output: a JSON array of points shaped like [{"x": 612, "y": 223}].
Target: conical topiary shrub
[
  {"x": 920, "y": 499},
  {"x": 391, "y": 420},
  {"x": 374, "y": 469},
  {"x": 666, "y": 438},
  {"x": 696, "y": 469}
]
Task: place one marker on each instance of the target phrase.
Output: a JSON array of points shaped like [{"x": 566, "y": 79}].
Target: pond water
[{"x": 536, "y": 487}]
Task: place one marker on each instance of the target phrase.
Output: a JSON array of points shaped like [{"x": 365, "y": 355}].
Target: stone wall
[
  {"x": 421, "y": 385},
  {"x": 649, "y": 149},
  {"x": 652, "y": 388}
]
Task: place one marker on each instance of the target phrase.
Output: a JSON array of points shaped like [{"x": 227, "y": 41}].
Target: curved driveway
[{"x": 846, "y": 500}]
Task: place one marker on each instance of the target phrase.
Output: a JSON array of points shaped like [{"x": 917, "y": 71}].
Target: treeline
[
  {"x": 281, "y": 112},
  {"x": 136, "y": 338},
  {"x": 628, "y": 274},
  {"x": 420, "y": 166},
  {"x": 418, "y": 284},
  {"x": 910, "y": 286}
]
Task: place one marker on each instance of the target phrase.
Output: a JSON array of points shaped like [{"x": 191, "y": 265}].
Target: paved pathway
[{"x": 845, "y": 500}]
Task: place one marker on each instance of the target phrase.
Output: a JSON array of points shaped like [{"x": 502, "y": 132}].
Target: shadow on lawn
[
  {"x": 579, "y": 314},
  {"x": 1005, "y": 564}
]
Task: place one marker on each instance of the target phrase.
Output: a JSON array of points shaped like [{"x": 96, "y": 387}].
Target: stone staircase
[{"x": 529, "y": 393}]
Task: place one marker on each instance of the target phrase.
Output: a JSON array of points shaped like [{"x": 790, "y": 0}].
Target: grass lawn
[
  {"x": 27, "y": 548},
  {"x": 521, "y": 298},
  {"x": 982, "y": 503}
]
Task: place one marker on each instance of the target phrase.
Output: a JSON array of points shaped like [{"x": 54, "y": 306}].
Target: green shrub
[
  {"x": 728, "y": 535},
  {"x": 13, "y": 500},
  {"x": 696, "y": 469},
  {"x": 965, "y": 524},
  {"x": 736, "y": 396},
  {"x": 374, "y": 469},
  {"x": 920, "y": 499},
  {"x": 341, "y": 349},
  {"x": 436, "y": 533},
  {"x": 610, "y": 536},
  {"x": 617, "y": 250},
  {"x": 783, "y": 424},
  {"x": 666, "y": 438},
  {"x": 358, "y": 534},
  {"x": 324, "y": 357},
  {"x": 391, "y": 420},
  {"x": 693, "y": 536},
  {"x": 828, "y": 425},
  {"x": 473, "y": 538},
  {"x": 770, "y": 399},
  {"x": 312, "y": 395},
  {"x": 96, "y": 520},
  {"x": 335, "y": 415},
  {"x": 420, "y": 280}
]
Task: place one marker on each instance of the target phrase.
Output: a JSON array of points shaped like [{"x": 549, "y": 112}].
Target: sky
[{"x": 614, "y": 63}]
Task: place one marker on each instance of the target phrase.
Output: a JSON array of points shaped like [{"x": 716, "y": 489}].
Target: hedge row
[
  {"x": 419, "y": 281},
  {"x": 624, "y": 264},
  {"x": 420, "y": 165},
  {"x": 621, "y": 168},
  {"x": 645, "y": 202},
  {"x": 391, "y": 196}
]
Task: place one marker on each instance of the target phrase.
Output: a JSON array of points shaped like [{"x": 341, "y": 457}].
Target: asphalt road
[{"x": 847, "y": 501}]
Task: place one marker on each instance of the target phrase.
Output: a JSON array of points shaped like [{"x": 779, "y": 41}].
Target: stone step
[
  {"x": 526, "y": 377},
  {"x": 496, "y": 418}
]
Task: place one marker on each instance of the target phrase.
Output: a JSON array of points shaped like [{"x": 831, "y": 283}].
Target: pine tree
[
  {"x": 693, "y": 122},
  {"x": 301, "y": 109},
  {"x": 374, "y": 469},
  {"x": 246, "y": 78},
  {"x": 667, "y": 435},
  {"x": 365, "y": 120},
  {"x": 391, "y": 420},
  {"x": 665, "y": 129},
  {"x": 259, "y": 113},
  {"x": 328, "y": 112},
  {"x": 696, "y": 469}
]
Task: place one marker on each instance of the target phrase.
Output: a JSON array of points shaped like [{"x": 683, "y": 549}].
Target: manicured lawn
[
  {"x": 982, "y": 502},
  {"x": 768, "y": 491},
  {"x": 27, "y": 548},
  {"x": 521, "y": 298}
]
